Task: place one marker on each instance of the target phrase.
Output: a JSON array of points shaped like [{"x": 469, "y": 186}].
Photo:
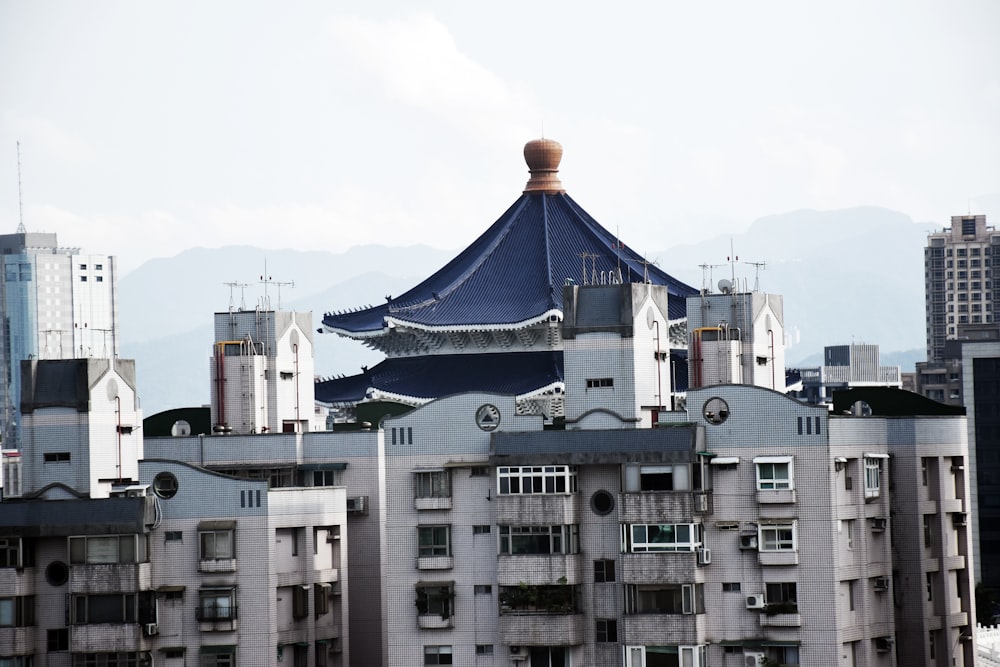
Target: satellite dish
[
  {"x": 293, "y": 339},
  {"x": 112, "y": 389},
  {"x": 725, "y": 286},
  {"x": 650, "y": 317}
]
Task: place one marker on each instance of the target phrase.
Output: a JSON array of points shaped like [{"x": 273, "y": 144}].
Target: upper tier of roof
[{"x": 513, "y": 274}]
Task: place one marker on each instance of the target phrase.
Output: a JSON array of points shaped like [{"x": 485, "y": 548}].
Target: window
[
  {"x": 433, "y": 541},
  {"x": 57, "y": 640},
  {"x": 848, "y": 525},
  {"x": 923, "y": 471},
  {"x": 216, "y": 604},
  {"x": 549, "y": 599},
  {"x": 129, "y": 659},
  {"x": 173, "y": 536},
  {"x": 218, "y": 656},
  {"x": 785, "y": 655},
  {"x": 99, "y": 279},
  {"x": 324, "y": 477},
  {"x": 10, "y": 552},
  {"x": 479, "y": 471},
  {"x": 17, "y": 612},
  {"x": 656, "y": 478},
  {"x": 930, "y": 586},
  {"x": 774, "y": 472},
  {"x": 665, "y": 599},
  {"x": 108, "y": 549},
  {"x": 852, "y": 589},
  {"x": 639, "y": 538},
  {"x": 437, "y": 655},
  {"x": 732, "y": 587},
  {"x": 607, "y": 630},
  {"x": 593, "y": 383},
  {"x": 781, "y": 598},
  {"x": 777, "y": 537},
  {"x": 482, "y": 589},
  {"x": 484, "y": 649},
  {"x": 300, "y": 601},
  {"x": 536, "y": 479},
  {"x": 539, "y": 539},
  {"x": 927, "y": 529},
  {"x": 321, "y": 598},
  {"x": 873, "y": 468},
  {"x": 665, "y": 656},
  {"x": 435, "y": 599},
  {"x": 432, "y": 484},
  {"x": 165, "y": 485},
  {"x": 113, "y": 608},
  {"x": 83, "y": 279},
  {"x": 481, "y": 530},
  {"x": 604, "y": 571},
  {"x": 57, "y": 457},
  {"x": 216, "y": 544}
]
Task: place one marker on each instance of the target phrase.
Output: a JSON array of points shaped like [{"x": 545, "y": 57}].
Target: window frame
[
  {"x": 82, "y": 614},
  {"x": 434, "y": 654},
  {"x": 21, "y": 613},
  {"x": 436, "y": 598},
  {"x": 209, "y": 610},
  {"x": 773, "y": 464},
  {"x": 778, "y": 543},
  {"x": 91, "y": 555},
  {"x": 204, "y": 554},
  {"x": 562, "y": 539},
  {"x": 536, "y": 480},
  {"x": 433, "y": 548},
  {"x": 636, "y": 538},
  {"x": 432, "y": 483}
]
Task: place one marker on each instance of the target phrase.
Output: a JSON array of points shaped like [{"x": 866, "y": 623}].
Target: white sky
[{"x": 151, "y": 127}]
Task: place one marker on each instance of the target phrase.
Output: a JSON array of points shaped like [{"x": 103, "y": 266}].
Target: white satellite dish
[{"x": 725, "y": 286}]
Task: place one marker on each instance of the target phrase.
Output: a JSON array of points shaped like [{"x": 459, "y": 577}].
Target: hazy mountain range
[{"x": 854, "y": 274}]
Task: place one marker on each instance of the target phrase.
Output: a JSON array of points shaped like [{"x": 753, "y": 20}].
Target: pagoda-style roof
[
  {"x": 423, "y": 378},
  {"x": 420, "y": 379},
  {"x": 512, "y": 276}
]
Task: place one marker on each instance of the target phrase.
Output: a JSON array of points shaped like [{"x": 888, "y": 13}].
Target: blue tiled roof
[
  {"x": 515, "y": 271},
  {"x": 433, "y": 376}
]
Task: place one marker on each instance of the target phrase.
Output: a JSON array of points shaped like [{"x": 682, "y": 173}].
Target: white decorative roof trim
[
  {"x": 558, "y": 388},
  {"x": 513, "y": 326},
  {"x": 353, "y": 334}
]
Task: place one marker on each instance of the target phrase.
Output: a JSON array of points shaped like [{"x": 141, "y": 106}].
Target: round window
[
  {"x": 165, "y": 485},
  {"x": 715, "y": 411},
  {"x": 602, "y": 502},
  {"x": 57, "y": 573}
]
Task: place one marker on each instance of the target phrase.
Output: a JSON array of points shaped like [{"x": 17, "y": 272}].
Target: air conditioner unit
[
  {"x": 518, "y": 653},
  {"x": 753, "y": 659},
  {"x": 883, "y": 644},
  {"x": 748, "y": 541},
  {"x": 701, "y": 502},
  {"x": 150, "y": 629},
  {"x": 879, "y": 524},
  {"x": 755, "y": 601},
  {"x": 357, "y": 505},
  {"x": 881, "y": 584},
  {"x": 959, "y": 519},
  {"x": 704, "y": 556}
]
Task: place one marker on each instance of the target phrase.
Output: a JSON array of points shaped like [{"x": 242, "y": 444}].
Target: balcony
[
  {"x": 780, "y": 620},
  {"x": 435, "y": 622},
  {"x": 109, "y": 578},
  {"x": 105, "y": 637},
  {"x": 435, "y": 563},
  {"x": 651, "y": 568},
  {"x": 543, "y": 508},
  {"x": 652, "y": 506},
  {"x": 432, "y": 503},
  {"x": 658, "y": 629},
  {"x": 217, "y": 565},
  {"x": 17, "y": 641},
  {"x": 537, "y": 570},
  {"x": 776, "y": 496},
  {"x": 526, "y": 629},
  {"x": 778, "y": 557}
]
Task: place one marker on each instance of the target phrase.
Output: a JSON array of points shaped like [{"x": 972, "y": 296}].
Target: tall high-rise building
[
  {"x": 56, "y": 303},
  {"x": 959, "y": 263}
]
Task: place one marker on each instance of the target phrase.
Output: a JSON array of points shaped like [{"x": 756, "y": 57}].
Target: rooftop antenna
[
  {"x": 757, "y": 269},
  {"x": 592, "y": 256},
  {"x": 706, "y": 274},
  {"x": 645, "y": 268},
  {"x": 20, "y": 205},
  {"x": 242, "y": 286},
  {"x": 267, "y": 280},
  {"x": 732, "y": 259},
  {"x": 618, "y": 246}
]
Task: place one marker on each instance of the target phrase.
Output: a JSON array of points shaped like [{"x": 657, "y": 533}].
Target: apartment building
[
  {"x": 57, "y": 303},
  {"x": 110, "y": 559},
  {"x": 845, "y": 367}
]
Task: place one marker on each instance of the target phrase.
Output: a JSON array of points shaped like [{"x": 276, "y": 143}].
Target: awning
[
  {"x": 170, "y": 589},
  {"x": 222, "y": 648},
  {"x": 428, "y": 469},
  {"x": 323, "y": 466},
  {"x": 772, "y": 459},
  {"x": 216, "y": 525},
  {"x": 725, "y": 460},
  {"x": 431, "y": 584},
  {"x": 872, "y": 455}
]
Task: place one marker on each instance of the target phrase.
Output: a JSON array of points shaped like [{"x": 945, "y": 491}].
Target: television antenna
[
  {"x": 706, "y": 274},
  {"x": 242, "y": 286},
  {"x": 20, "y": 205},
  {"x": 758, "y": 267}
]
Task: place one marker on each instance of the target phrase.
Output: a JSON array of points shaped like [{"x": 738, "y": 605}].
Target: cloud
[
  {"x": 418, "y": 63},
  {"x": 36, "y": 131}
]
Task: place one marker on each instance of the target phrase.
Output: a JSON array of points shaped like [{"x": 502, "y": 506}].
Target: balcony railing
[{"x": 216, "y": 613}]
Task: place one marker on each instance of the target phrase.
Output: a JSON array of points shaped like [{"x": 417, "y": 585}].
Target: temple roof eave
[{"x": 551, "y": 315}]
